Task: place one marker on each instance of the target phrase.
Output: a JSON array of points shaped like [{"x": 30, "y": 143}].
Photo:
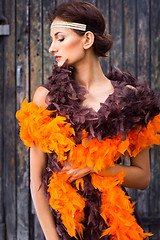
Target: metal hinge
[{"x": 4, "y": 26}]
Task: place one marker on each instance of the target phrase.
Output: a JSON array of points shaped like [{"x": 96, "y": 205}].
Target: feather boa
[{"x": 57, "y": 132}]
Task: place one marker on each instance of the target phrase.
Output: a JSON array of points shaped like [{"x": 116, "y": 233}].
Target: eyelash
[{"x": 61, "y": 39}]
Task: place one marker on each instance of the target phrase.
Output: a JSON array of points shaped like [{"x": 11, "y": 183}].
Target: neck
[{"x": 89, "y": 73}]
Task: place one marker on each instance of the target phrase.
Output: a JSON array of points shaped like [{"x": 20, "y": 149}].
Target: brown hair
[{"x": 86, "y": 13}]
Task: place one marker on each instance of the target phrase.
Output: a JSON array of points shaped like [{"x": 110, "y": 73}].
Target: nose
[{"x": 53, "y": 47}]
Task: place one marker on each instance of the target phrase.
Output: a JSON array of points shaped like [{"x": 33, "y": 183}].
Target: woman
[{"x": 90, "y": 122}]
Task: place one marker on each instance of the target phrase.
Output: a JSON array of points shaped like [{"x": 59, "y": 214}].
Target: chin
[{"x": 60, "y": 63}]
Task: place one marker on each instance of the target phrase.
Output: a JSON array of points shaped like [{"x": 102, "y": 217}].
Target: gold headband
[
  {"x": 75, "y": 26},
  {"x": 72, "y": 25}
]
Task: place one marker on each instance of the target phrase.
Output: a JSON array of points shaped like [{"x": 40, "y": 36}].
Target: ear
[{"x": 88, "y": 40}]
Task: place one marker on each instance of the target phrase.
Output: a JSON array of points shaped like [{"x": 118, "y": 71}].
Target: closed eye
[{"x": 60, "y": 39}]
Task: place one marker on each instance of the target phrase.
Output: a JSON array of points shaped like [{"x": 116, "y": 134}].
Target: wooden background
[{"x": 25, "y": 64}]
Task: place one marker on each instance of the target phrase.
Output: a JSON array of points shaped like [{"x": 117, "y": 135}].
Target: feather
[{"x": 126, "y": 123}]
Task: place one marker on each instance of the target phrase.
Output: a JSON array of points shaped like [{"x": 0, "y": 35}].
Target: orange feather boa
[{"x": 56, "y": 135}]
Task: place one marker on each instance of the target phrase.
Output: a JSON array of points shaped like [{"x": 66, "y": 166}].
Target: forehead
[
  {"x": 58, "y": 30},
  {"x": 54, "y": 31}
]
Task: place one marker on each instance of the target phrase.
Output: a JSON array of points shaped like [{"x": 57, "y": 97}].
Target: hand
[{"x": 75, "y": 173}]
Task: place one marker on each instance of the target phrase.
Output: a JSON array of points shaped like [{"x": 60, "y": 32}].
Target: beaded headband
[{"x": 75, "y": 26}]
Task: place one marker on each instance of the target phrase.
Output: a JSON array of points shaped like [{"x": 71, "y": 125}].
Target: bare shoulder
[{"x": 40, "y": 96}]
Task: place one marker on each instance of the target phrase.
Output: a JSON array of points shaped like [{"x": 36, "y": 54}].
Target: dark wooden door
[{"x": 25, "y": 64}]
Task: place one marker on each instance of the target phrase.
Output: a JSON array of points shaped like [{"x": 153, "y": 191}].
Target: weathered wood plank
[
  {"x": 143, "y": 41},
  {"x": 155, "y": 45},
  {"x": 58, "y": 2},
  {"x": 38, "y": 235},
  {"x": 104, "y": 7},
  {"x": 2, "y": 225},
  {"x": 129, "y": 16},
  {"x": 123, "y": 54},
  {"x": 48, "y": 59},
  {"x": 2, "y": 231},
  {"x": 2, "y": 215},
  {"x": 154, "y": 197},
  {"x": 36, "y": 45},
  {"x": 129, "y": 57},
  {"x": 129, "y": 35},
  {"x": 9, "y": 125},
  {"x": 22, "y": 68},
  {"x": 143, "y": 73},
  {"x": 36, "y": 62},
  {"x": 91, "y": 1},
  {"x": 116, "y": 18}
]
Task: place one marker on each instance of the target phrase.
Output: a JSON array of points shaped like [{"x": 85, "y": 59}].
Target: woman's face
[{"x": 66, "y": 45}]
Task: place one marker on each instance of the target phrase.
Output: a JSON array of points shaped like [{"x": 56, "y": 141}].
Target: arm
[
  {"x": 136, "y": 176},
  {"x": 38, "y": 161}
]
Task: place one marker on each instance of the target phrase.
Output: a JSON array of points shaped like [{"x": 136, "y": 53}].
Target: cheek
[
  {"x": 74, "y": 44},
  {"x": 72, "y": 50},
  {"x": 75, "y": 52}
]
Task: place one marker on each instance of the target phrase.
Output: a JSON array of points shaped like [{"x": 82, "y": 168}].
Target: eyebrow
[{"x": 57, "y": 33}]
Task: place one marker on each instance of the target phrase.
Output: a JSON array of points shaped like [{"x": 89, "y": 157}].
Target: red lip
[{"x": 57, "y": 58}]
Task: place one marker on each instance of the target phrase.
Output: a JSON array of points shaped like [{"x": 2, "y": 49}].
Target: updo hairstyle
[{"x": 85, "y": 13}]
